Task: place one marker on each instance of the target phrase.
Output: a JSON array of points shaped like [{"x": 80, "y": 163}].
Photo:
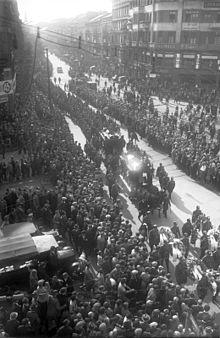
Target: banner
[{"x": 7, "y": 87}]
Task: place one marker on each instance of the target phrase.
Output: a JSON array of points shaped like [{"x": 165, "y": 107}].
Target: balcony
[
  {"x": 144, "y": 25},
  {"x": 140, "y": 26},
  {"x": 185, "y": 46},
  {"x": 137, "y": 9},
  {"x": 214, "y": 25}
]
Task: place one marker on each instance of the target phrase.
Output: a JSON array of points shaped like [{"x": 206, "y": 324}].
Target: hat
[
  {"x": 63, "y": 291},
  {"x": 153, "y": 324},
  {"x": 80, "y": 324},
  {"x": 13, "y": 315}
]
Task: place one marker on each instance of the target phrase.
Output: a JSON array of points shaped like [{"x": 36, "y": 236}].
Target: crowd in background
[
  {"x": 131, "y": 294},
  {"x": 188, "y": 135}
]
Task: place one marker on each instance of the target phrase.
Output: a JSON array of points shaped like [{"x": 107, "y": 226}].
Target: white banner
[{"x": 8, "y": 86}]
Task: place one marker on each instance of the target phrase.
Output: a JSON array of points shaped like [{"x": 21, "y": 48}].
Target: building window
[
  {"x": 217, "y": 40},
  {"x": 172, "y": 16},
  {"x": 190, "y": 16},
  {"x": 192, "y": 40},
  {"x": 171, "y": 38},
  {"x": 207, "y": 18},
  {"x": 218, "y": 17}
]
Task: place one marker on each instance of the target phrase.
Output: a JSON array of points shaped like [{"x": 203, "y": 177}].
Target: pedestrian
[
  {"x": 181, "y": 272},
  {"x": 175, "y": 230},
  {"x": 186, "y": 244},
  {"x": 170, "y": 187},
  {"x": 165, "y": 251},
  {"x": 154, "y": 237}
]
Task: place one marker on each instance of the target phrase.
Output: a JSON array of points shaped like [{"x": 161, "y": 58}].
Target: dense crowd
[
  {"x": 131, "y": 293},
  {"x": 188, "y": 135}
]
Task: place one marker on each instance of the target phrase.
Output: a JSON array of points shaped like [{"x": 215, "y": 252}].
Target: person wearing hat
[
  {"x": 165, "y": 251},
  {"x": 62, "y": 300},
  {"x": 175, "y": 230},
  {"x": 154, "y": 237},
  {"x": 181, "y": 272},
  {"x": 208, "y": 260},
  {"x": 216, "y": 257},
  {"x": 203, "y": 286},
  {"x": 65, "y": 330},
  {"x": 186, "y": 243},
  {"x": 187, "y": 227},
  {"x": 204, "y": 244},
  {"x": 11, "y": 327},
  {"x": 25, "y": 329}
]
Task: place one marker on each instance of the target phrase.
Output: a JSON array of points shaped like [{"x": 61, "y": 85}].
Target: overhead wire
[
  {"x": 71, "y": 37},
  {"x": 69, "y": 46}
]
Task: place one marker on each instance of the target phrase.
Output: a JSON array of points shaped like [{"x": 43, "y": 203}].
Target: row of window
[
  {"x": 120, "y": 13},
  {"x": 188, "y": 17},
  {"x": 172, "y": 62},
  {"x": 187, "y": 37}
]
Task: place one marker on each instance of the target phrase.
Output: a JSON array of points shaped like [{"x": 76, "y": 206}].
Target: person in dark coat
[
  {"x": 166, "y": 204},
  {"x": 204, "y": 244},
  {"x": 65, "y": 330},
  {"x": 216, "y": 257},
  {"x": 171, "y": 186},
  {"x": 196, "y": 213},
  {"x": 186, "y": 244},
  {"x": 164, "y": 254},
  {"x": 202, "y": 287},
  {"x": 181, "y": 272},
  {"x": 154, "y": 237},
  {"x": 187, "y": 227},
  {"x": 208, "y": 260},
  {"x": 175, "y": 230}
]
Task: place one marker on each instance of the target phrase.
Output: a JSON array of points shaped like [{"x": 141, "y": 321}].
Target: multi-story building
[
  {"x": 182, "y": 35},
  {"x": 9, "y": 21},
  {"x": 120, "y": 17},
  {"x": 98, "y": 34}
]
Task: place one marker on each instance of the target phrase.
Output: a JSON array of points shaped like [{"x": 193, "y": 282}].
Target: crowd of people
[
  {"x": 189, "y": 135},
  {"x": 131, "y": 293}
]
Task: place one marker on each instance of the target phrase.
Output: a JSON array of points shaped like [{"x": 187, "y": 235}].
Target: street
[{"x": 187, "y": 195}]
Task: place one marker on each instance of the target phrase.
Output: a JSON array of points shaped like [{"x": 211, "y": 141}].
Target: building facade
[
  {"x": 120, "y": 18},
  {"x": 9, "y": 21},
  {"x": 98, "y": 34},
  {"x": 182, "y": 35}
]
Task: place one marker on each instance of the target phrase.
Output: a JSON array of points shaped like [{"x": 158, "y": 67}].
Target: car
[{"x": 59, "y": 70}]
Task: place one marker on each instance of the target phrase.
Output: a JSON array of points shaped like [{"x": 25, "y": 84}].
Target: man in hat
[
  {"x": 171, "y": 186},
  {"x": 175, "y": 230},
  {"x": 187, "y": 227},
  {"x": 154, "y": 237},
  {"x": 186, "y": 244},
  {"x": 204, "y": 244},
  {"x": 208, "y": 260},
  {"x": 65, "y": 330},
  {"x": 216, "y": 257},
  {"x": 164, "y": 254},
  {"x": 181, "y": 272}
]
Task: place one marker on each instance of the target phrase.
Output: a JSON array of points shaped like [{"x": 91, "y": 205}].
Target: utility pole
[{"x": 48, "y": 80}]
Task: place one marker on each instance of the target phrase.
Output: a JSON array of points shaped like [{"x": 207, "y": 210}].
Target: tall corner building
[
  {"x": 182, "y": 36},
  {"x": 120, "y": 18}
]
